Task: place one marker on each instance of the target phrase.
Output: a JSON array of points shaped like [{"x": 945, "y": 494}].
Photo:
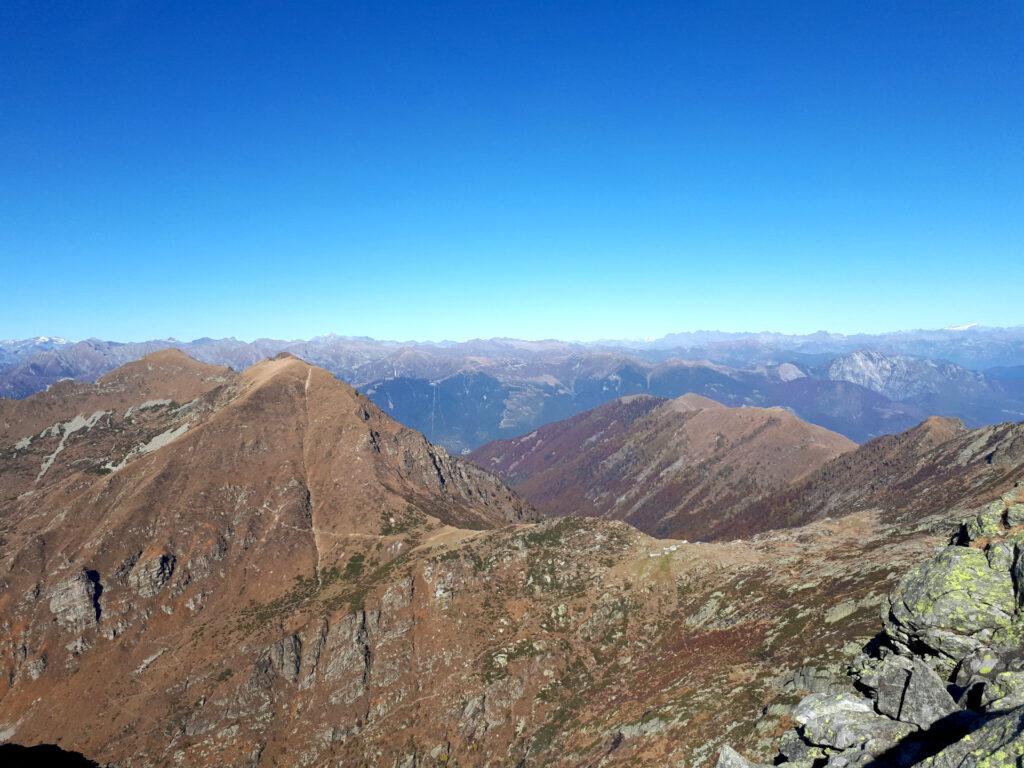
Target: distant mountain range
[{"x": 465, "y": 394}]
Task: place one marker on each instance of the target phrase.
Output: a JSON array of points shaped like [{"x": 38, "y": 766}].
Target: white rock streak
[{"x": 64, "y": 430}]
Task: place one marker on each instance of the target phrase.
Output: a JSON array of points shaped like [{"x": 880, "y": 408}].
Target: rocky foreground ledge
[{"x": 943, "y": 683}]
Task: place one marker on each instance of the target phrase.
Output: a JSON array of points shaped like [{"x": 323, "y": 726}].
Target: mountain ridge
[
  {"x": 662, "y": 465},
  {"x": 464, "y": 394},
  {"x": 283, "y": 578}
]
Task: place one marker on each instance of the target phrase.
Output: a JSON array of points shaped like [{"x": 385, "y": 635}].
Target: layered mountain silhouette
[
  {"x": 201, "y": 567},
  {"x": 463, "y": 395}
]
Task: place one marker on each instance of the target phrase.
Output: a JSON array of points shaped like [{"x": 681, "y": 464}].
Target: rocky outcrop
[
  {"x": 952, "y": 605},
  {"x": 432, "y": 470},
  {"x": 151, "y": 573},
  {"x": 286, "y": 657},
  {"x": 943, "y": 684},
  {"x": 910, "y": 691},
  {"x": 75, "y": 603},
  {"x": 997, "y": 743}
]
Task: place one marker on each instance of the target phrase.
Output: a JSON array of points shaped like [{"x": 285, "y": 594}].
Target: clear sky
[{"x": 451, "y": 170}]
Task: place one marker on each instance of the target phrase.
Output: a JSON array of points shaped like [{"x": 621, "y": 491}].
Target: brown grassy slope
[
  {"x": 671, "y": 468},
  {"x": 170, "y": 373},
  {"x": 937, "y": 464}
]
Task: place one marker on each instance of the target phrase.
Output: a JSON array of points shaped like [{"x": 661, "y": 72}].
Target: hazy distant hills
[
  {"x": 971, "y": 346},
  {"x": 463, "y": 395}
]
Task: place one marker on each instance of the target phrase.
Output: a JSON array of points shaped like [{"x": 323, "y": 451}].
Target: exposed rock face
[
  {"x": 943, "y": 685},
  {"x": 74, "y": 602},
  {"x": 151, "y": 573},
  {"x": 901, "y": 377},
  {"x": 936, "y": 386}
]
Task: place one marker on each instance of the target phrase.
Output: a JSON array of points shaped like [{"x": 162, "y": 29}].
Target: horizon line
[{"x": 950, "y": 329}]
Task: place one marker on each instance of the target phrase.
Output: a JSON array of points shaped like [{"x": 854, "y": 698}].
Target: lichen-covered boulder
[
  {"x": 1001, "y": 554},
  {"x": 815, "y": 680},
  {"x": 842, "y": 721},
  {"x": 981, "y": 662},
  {"x": 1015, "y": 495},
  {"x": 825, "y": 704},
  {"x": 1004, "y": 692},
  {"x": 951, "y": 604},
  {"x": 999, "y": 743},
  {"x": 865, "y": 730},
  {"x": 1015, "y": 515},
  {"x": 988, "y": 523},
  {"x": 795, "y": 749}
]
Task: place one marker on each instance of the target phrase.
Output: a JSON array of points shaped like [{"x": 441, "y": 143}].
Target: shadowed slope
[
  {"x": 937, "y": 463},
  {"x": 671, "y": 468}
]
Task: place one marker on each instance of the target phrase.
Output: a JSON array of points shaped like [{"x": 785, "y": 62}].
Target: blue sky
[{"x": 553, "y": 169}]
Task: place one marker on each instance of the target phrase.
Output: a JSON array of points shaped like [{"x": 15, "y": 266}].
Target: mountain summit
[{"x": 672, "y": 468}]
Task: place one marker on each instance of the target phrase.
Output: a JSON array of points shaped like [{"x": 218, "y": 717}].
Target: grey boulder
[
  {"x": 951, "y": 604},
  {"x": 842, "y": 721},
  {"x": 999, "y": 743},
  {"x": 911, "y": 691},
  {"x": 1004, "y": 692}
]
